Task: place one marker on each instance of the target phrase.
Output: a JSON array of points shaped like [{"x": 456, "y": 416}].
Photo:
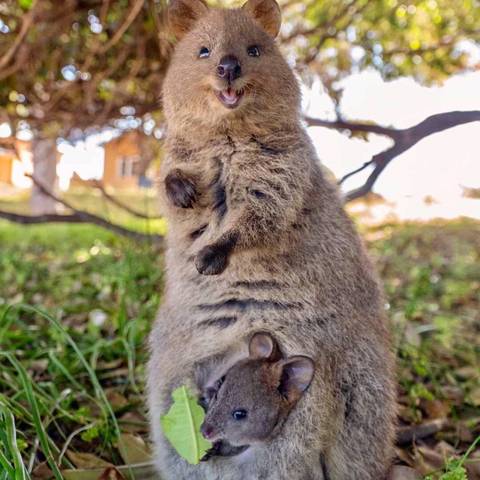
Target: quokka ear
[
  {"x": 266, "y": 13},
  {"x": 295, "y": 376},
  {"x": 182, "y": 15},
  {"x": 262, "y": 345}
]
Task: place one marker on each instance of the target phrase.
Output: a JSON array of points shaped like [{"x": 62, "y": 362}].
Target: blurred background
[{"x": 391, "y": 100}]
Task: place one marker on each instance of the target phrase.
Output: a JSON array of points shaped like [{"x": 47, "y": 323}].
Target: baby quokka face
[
  {"x": 251, "y": 401},
  {"x": 226, "y": 60}
]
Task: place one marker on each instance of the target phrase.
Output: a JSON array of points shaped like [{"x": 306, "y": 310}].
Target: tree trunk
[{"x": 45, "y": 171}]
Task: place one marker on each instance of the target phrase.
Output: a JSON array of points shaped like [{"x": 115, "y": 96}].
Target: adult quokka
[{"x": 246, "y": 196}]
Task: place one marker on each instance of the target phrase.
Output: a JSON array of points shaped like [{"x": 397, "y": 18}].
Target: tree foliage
[
  {"x": 80, "y": 63},
  {"x": 84, "y": 63},
  {"x": 426, "y": 39}
]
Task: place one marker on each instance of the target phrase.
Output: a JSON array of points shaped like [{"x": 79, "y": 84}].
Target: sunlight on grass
[{"x": 73, "y": 359}]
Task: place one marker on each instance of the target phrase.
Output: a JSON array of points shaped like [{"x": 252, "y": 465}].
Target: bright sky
[{"x": 438, "y": 166}]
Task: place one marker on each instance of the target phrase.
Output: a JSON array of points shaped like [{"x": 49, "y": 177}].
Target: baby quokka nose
[
  {"x": 207, "y": 430},
  {"x": 229, "y": 68}
]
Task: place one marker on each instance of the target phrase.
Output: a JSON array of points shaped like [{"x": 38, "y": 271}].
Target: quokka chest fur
[{"x": 291, "y": 262}]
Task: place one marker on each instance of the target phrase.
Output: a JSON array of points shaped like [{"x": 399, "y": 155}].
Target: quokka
[
  {"x": 246, "y": 196},
  {"x": 252, "y": 399}
]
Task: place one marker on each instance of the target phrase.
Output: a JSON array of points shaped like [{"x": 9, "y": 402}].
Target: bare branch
[
  {"x": 380, "y": 160},
  {"x": 78, "y": 216},
  {"x": 352, "y": 126},
  {"x": 354, "y": 172},
  {"x": 407, "y": 138},
  {"x": 121, "y": 205},
  {"x": 403, "y": 139}
]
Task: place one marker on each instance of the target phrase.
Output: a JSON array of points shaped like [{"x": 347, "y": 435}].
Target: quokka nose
[
  {"x": 207, "y": 430},
  {"x": 229, "y": 68}
]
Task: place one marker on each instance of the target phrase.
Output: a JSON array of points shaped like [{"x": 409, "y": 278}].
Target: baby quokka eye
[
  {"x": 253, "y": 51},
  {"x": 204, "y": 52},
  {"x": 239, "y": 414}
]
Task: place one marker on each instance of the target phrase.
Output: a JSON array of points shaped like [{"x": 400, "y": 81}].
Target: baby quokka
[{"x": 252, "y": 400}]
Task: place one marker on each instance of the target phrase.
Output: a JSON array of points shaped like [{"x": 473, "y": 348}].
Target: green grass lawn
[{"x": 77, "y": 302}]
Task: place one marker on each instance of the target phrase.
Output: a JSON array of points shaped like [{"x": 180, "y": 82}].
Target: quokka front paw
[
  {"x": 181, "y": 190},
  {"x": 211, "y": 260}
]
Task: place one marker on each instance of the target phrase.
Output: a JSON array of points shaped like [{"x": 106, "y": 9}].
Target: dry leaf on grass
[
  {"x": 133, "y": 449},
  {"x": 116, "y": 399},
  {"x": 144, "y": 471},
  {"x": 111, "y": 474},
  {"x": 133, "y": 422},
  {"x": 87, "y": 460},
  {"x": 42, "y": 472},
  {"x": 400, "y": 472}
]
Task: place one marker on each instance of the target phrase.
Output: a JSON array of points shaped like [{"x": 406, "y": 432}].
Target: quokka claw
[
  {"x": 211, "y": 260},
  {"x": 180, "y": 189}
]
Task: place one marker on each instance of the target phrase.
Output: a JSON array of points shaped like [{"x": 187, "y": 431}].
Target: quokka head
[
  {"x": 226, "y": 65},
  {"x": 252, "y": 400}
]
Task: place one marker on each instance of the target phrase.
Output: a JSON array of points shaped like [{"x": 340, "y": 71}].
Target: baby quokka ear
[
  {"x": 183, "y": 14},
  {"x": 295, "y": 375},
  {"x": 263, "y": 345},
  {"x": 266, "y": 13}
]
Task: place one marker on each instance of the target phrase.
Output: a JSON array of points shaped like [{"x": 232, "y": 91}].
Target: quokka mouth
[
  {"x": 224, "y": 449},
  {"x": 230, "y": 97}
]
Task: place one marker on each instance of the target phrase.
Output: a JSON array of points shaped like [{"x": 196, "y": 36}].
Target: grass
[{"x": 73, "y": 347}]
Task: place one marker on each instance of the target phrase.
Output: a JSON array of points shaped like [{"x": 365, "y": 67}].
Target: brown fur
[
  {"x": 296, "y": 266},
  {"x": 263, "y": 387}
]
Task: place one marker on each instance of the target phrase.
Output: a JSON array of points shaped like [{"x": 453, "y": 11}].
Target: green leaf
[
  {"x": 181, "y": 426},
  {"x": 25, "y": 4}
]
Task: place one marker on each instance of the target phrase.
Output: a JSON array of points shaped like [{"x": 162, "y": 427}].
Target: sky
[{"x": 438, "y": 166}]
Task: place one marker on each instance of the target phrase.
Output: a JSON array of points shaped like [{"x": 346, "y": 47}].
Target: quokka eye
[
  {"x": 253, "y": 51},
  {"x": 204, "y": 52},
  {"x": 239, "y": 414}
]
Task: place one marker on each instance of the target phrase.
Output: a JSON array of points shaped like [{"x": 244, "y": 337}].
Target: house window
[{"x": 129, "y": 166}]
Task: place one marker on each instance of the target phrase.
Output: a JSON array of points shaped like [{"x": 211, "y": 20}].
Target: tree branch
[
  {"x": 403, "y": 139},
  {"x": 352, "y": 126},
  {"x": 132, "y": 15},
  {"x": 26, "y": 22},
  {"x": 78, "y": 216},
  {"x": 121, "y": 205}
]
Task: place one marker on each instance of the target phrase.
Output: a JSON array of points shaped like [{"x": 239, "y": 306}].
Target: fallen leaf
[
  {"x": 427, "y": 459},
  {"x": 405, "y": 456},
  {"x": 143, "y": 471},
  {"x": 474, "y": 397},
  {"x": 42, "y": 472},
  {"x": 133, "y": 422},
  {"x": 116, "y": 399},
  {"x": 111, "y": 473},
  {"x": 133, "y": 449},
  {"x": 411, "y": 335},
  {"x": 436, "y": 408},
  {"x": 467, "y": 372},
  {"x": 473, "y": 466},
  {"x": 86, "y": 460},
  {"x": 400, "y": 472}
]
